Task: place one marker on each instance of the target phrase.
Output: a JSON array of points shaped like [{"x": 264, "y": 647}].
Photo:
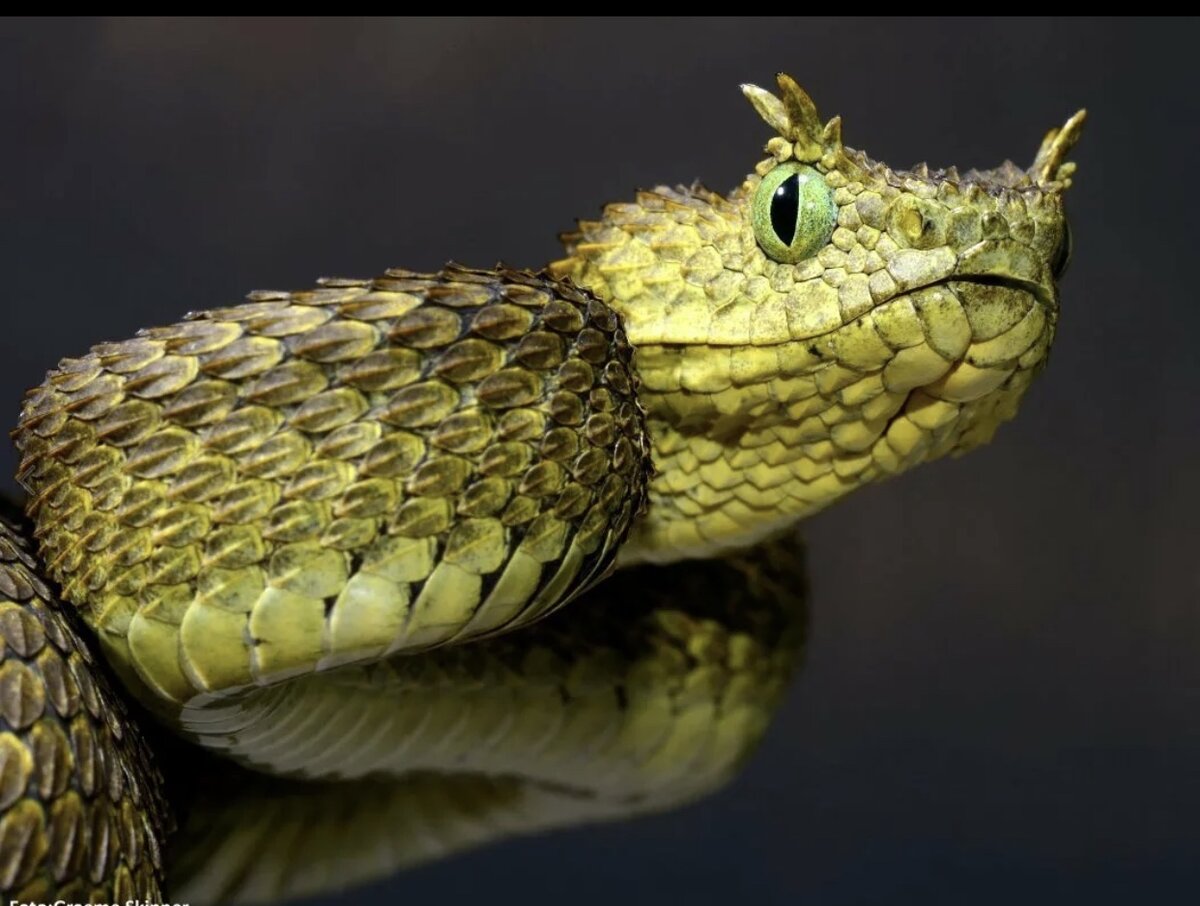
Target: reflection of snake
[{"x": 343, "y": 477}]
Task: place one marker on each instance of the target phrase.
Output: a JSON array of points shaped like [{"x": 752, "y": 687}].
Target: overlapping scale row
[
  {"x": 322, "y": 477},
  {"x": 650, "y": 684},
  {"x": 81, "y": 811}
]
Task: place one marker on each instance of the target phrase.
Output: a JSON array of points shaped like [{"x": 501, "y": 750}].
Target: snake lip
[{"x": 1040, "y": 291}]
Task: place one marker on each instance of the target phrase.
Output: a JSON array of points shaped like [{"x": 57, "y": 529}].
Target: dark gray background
[{"x": 1003, "y": 687}]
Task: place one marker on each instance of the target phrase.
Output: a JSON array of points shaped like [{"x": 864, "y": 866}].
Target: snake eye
[{"x": 792, "y": 213}]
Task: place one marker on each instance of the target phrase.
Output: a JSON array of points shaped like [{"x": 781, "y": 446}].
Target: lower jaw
[{"x": 711, "y": 495}]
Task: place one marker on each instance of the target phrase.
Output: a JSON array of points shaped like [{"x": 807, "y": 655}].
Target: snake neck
[
  {"x": 717, "y": 492},
  {"x": 734, "y": 464}
]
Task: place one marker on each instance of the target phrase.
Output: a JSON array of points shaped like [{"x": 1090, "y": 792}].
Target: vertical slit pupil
[{"x": 785, "y": 205}]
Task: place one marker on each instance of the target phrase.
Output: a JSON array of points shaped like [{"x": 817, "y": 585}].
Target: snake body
[{"x": 326, "y": 534}]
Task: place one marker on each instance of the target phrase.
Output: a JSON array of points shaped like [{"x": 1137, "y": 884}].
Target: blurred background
[{"x": 1002, "y": 693}]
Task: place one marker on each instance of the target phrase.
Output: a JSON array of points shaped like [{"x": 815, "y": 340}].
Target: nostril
[{"x": 1062, "y": 254}]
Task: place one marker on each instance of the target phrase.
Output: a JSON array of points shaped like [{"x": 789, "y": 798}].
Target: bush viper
[{"x": 312, "y": 533}]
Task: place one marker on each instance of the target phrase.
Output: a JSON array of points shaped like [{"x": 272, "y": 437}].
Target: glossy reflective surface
[
  {"x": 999, "y": 702},
  {"x": 652, "y": 694}
]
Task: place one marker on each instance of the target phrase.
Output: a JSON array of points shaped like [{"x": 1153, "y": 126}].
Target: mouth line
[
  {"x": 1041, "y": 293},
  {"x": 1035, "y": 289}
]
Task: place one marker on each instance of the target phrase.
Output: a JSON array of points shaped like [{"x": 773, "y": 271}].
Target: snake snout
[{"x": 1008, "y": 262}]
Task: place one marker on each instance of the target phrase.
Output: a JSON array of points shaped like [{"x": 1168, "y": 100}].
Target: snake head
[{"x": 831, "y": 322}]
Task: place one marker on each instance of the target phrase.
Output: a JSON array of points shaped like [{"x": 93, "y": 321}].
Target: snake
[{"x": 285, "y": 607}]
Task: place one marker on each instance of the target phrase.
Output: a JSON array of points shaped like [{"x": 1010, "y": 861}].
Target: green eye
[{"x": 793, "y": 213}]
